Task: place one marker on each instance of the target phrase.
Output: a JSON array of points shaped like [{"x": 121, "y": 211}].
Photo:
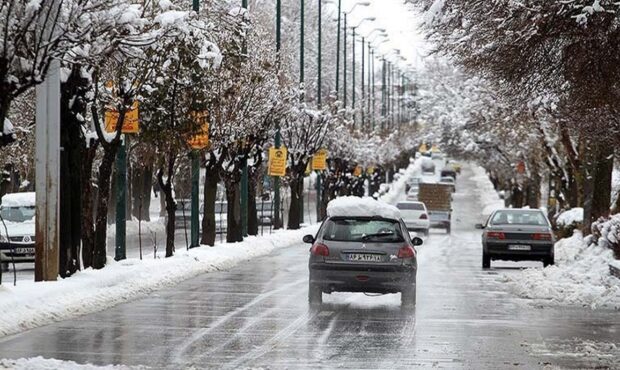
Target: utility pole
[
  {"x": 195, "y": 171},
  {"x": 371, "y": 118},
  {"x": 244, "y": 166},
  {"x": 353, "y": 78},
  {"x": 278, "y": 138},
  {"x": 363, "y": 88},
  {"x": 318, "y": 88},
  {"x": 383, "y": 97},
  {"x": 47, "y": 167},
  {"x": 344, "y": 74},
  {"x": 337, "y": 49},
  {"x": 302, "y": 86}
]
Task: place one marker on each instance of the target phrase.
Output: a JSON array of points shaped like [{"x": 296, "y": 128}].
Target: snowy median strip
[
  {"x": 31, "y": 305},
  {"x": 40, "y": 363}
]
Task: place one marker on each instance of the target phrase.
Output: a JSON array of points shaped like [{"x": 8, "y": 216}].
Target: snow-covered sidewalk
[
  {"x": 489, "y": 199},
  {"x": 31, "y": 304}
]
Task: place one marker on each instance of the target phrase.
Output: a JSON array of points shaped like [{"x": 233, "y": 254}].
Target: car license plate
[
  {"x": 24, "y": 250},
  {"x": 519, "y": 247},
  {"x": 365, "y": 257}
]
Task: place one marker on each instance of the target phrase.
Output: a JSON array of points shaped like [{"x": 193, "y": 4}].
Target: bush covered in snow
[
  {"x": 606, "y": 234},
  {"x": 569, "y": 221}
]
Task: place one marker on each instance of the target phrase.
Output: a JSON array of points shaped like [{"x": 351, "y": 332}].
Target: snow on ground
[
  {"x": 580, "y": 276},
  {"x": 32, "y": 304},
  {"x": 157, "y": 226},
  {"x": 397, "y": 190},
  {"x": 40, "y": 363},
  {"x": 489, "y": 199},
  {"x": 571, "y": 216}
]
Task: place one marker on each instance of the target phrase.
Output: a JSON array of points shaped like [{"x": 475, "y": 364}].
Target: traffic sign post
[{"x": 197, "y": 142}]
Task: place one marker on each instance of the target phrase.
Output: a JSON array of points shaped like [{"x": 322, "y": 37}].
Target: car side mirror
[
  {"x": 417, "y": 241},
  {"x": 308, "y": 239},
  {"x": 479, "y": 226}
]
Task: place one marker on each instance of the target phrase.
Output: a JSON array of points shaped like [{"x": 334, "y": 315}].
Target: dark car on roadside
[
  {"x": 448, "y": 173},
  {"x": 354, "y": 253},
  {"x": 517, "y": 235}
]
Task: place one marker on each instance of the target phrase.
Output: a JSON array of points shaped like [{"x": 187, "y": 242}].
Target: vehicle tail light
[
  {"x": 319, "y": 250},
  {"x": 496, "y": 235},
  {"x": 541, "y": 236},
  {"x": 423, "y": 216},
  {"x": 406, "y": 252}
]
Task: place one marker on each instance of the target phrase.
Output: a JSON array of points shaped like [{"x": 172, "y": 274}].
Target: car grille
[{"x": 16, "y": 238}]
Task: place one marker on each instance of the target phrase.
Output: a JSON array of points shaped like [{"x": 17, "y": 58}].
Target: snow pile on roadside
[
  {"x": 397, "y": 189},
  {"x": 40, "y": 363},
  {"x": 486, "y": 192},
  {"x": 580, "y": 276},
  {"x": 364, "y": 207},
  {"x": 571, "y": 216},
  {"x": 30, "y": 304}
]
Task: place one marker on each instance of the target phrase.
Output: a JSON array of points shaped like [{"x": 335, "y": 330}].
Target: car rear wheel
[
  {"x": 315, "y": 295},
  {"x": 408, "y": 297},
  {"x": 486, "y": 260},
  {"x": 548, "y": 261}
]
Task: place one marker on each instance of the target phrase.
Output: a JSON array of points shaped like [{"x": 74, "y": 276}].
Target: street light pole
[
  {"x": 244, "y": 176},
  {"x": 195, "y": 179},
  {"x": 345, "y": 62},
  {"x": 353, "y": 77},
  {"x": 337, "y": 49},
  {"x": 278, "y": 138},
  {"x": 362, "y": 102},
  {"x": 319, "y": 59},
  {"x": 383, "y": 100}
]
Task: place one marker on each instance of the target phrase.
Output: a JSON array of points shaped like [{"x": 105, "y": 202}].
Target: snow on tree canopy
[
  {"x": 19, "y": 200},
  {"x": 361, "y": 207}
]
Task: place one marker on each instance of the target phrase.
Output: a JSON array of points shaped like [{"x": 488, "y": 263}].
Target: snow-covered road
[{"x": 257, "y": 315}]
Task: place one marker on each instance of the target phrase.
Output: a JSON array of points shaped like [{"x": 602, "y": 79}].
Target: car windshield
[
  {"x": 367, "y": 230},
  {"x": 410, "y": 206},
  {"x": 17, "y": 214},
  {"x": 534, "y": 218}
]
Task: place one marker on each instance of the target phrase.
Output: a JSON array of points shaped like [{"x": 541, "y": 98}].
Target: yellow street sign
[
  {"x": 358, "y": 171},
  {"x": 319, "y": 160},
  {"x": 435, "y": 148},
  {"x": 200, "y": 140},
  {"x": 131, "y": 123},
  {"x": 277, "y": 161},
  {"x": 370, "y": 170},
  {"x": 423, "y": 148}
]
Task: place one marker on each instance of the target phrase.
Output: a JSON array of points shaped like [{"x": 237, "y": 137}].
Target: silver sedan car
[
  {"x": 517, "y": 235},
  {"x": 362, "y": 254}
]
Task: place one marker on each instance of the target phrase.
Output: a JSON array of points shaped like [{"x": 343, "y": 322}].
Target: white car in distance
[{"x": 415, "y": 216}]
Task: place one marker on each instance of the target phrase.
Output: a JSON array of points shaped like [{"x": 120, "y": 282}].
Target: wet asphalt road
[{"x": 257, "y": 316}]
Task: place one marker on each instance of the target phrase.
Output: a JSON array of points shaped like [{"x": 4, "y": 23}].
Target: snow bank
[
  {"x": 30, "y": 304},
  {"x": 489, "y": 198},
  {"x": 571, "y": 216},
  {"x": 40, "y": 363},
  {"x": 19, "y": 199},
  {"x": 580, "y": 276},
  {"x": 397, "y": 190},
  {"x": 361, "y": 207}
]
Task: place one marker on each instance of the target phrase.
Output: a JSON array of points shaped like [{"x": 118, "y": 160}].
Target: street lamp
[
  {"x": 345, "y": 13},
  {"x": 367, "y": 19}
]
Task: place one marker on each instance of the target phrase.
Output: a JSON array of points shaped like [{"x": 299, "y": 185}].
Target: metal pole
[
  {"x": 338, "y": 50},
  {"x": 301, "y": 43},
  {"x": 121, "y": 200},
  {"x": 318, "y": 85},
  {"x": 243, "y": 184},
  {"x": 318, "y": 196},
  {"x": 371, "y": 122},
  {"x": 353, "y": 78},
  {"x": 374, "y": 103},
  {"x": 47, "y": 174},
  {"x": 344, "y": 65},
  {"x": 276, "y": 180},
  {"x": 363, "y": 88}
]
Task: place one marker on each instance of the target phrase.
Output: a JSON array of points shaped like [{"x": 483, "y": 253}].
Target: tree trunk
[
  {"x": 101, "y": 221},
  {"x": 210, "y": 196},
  {"x": 601, "y": 196},
  {"x": 88, "y": 202},
  {"x": 233, "y": 229},
  {"x": 294, "y": 210},
  {"x": 166, "y": 193},
  {"x": 252, "y": 208}
]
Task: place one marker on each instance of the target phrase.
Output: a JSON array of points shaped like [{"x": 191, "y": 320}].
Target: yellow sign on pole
[
  {"x": 200, "y": 140},
  {"x": 277, "y": 161},
  {"x": 319, "y": 160},
  {"x": 423, "y": 148},
  {"x": 370, "y": 170},
  {"x": 435, "y": 148},
  {"x": 131, "y": 123},
  {"x": 358, "y": 171}
]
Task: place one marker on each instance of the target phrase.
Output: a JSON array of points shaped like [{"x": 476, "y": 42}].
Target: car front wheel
[{"x": 315, "y": 295}]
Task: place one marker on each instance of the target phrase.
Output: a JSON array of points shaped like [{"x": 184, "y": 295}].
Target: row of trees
[
  {"x": 534, "y": 97},
  {"x": 174, "y": 65}
]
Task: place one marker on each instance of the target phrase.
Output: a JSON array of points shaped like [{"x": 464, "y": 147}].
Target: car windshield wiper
[{"x": 377, "y": 235}]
